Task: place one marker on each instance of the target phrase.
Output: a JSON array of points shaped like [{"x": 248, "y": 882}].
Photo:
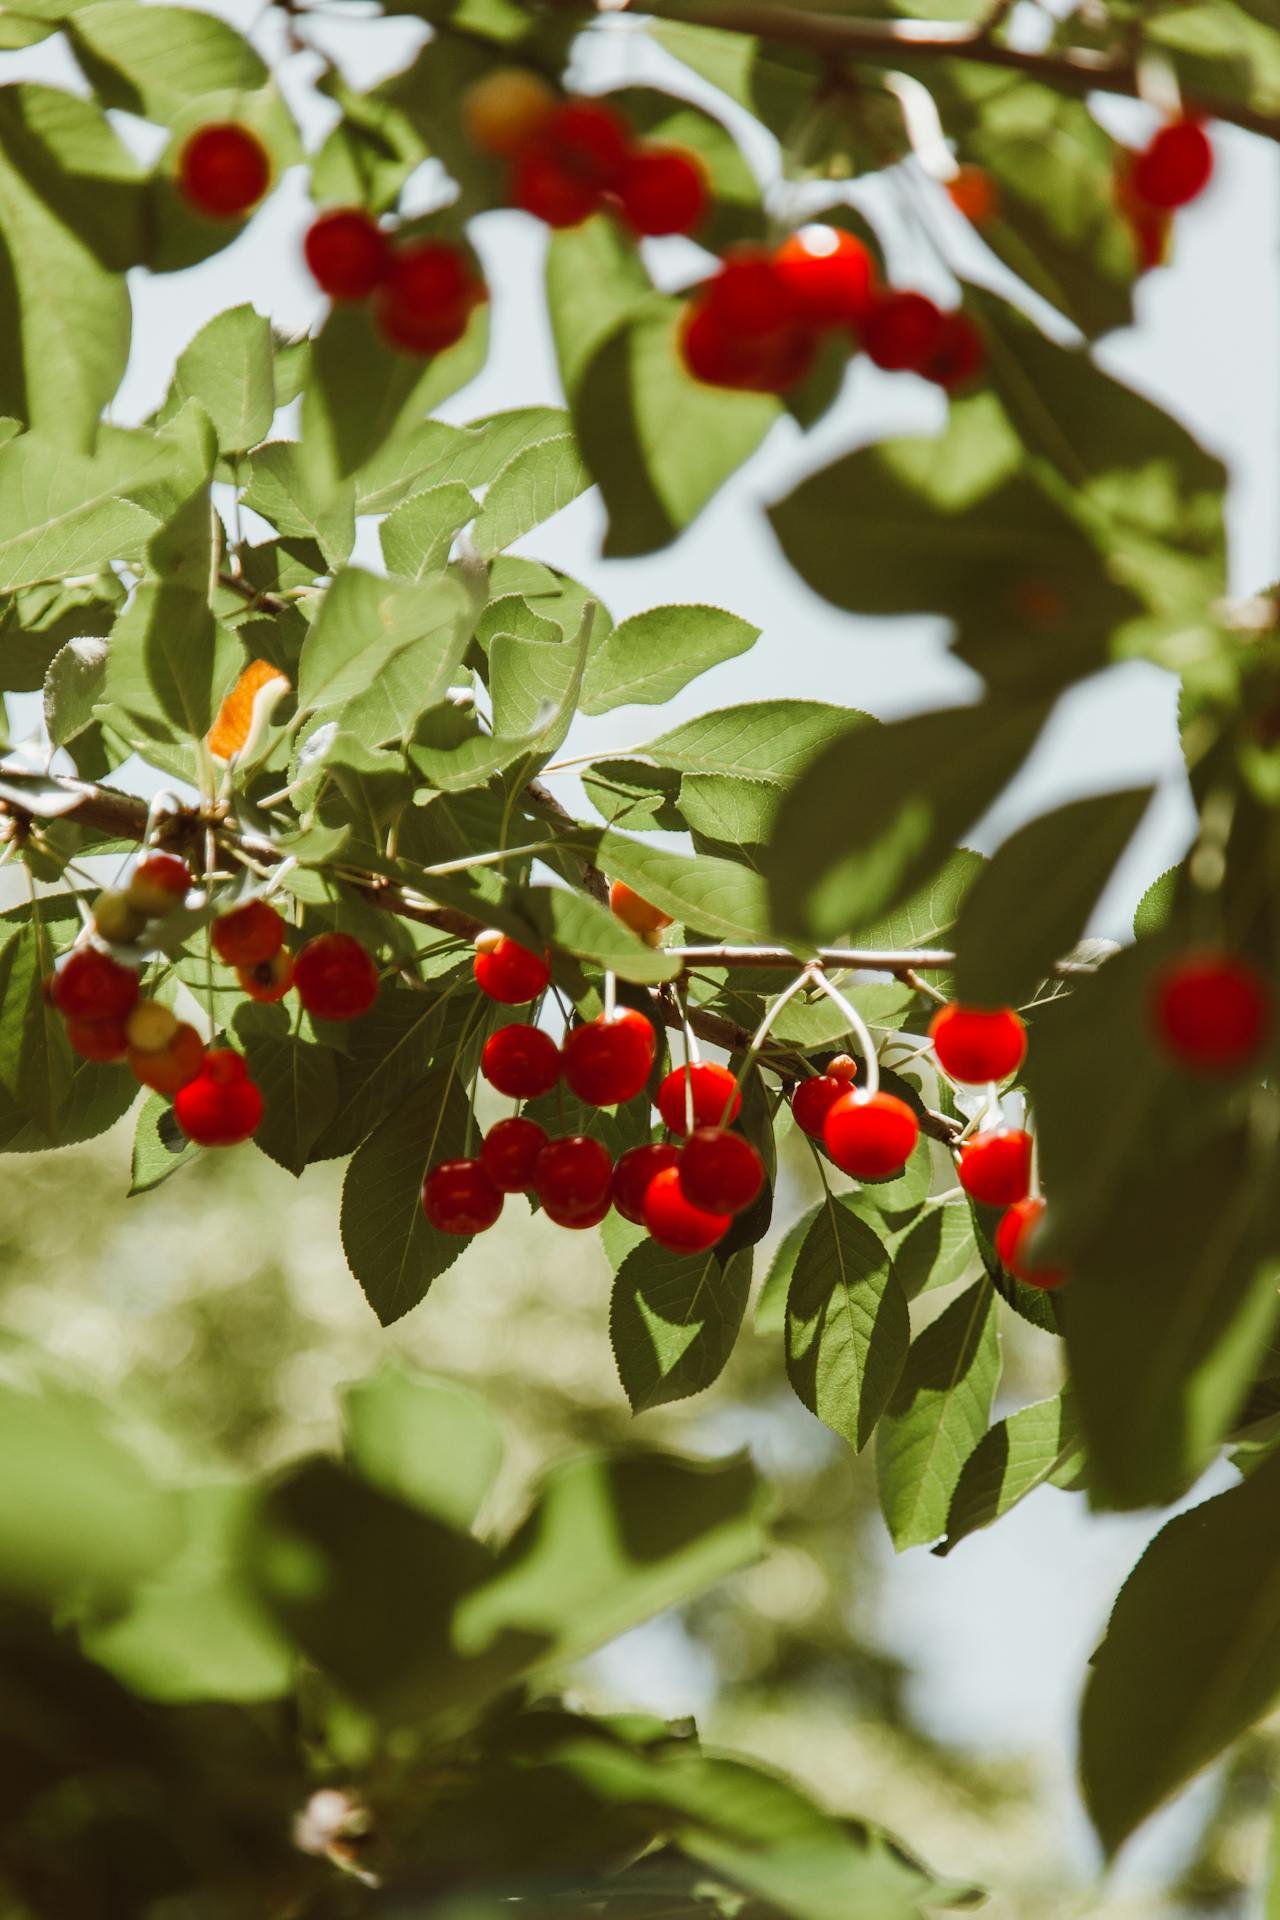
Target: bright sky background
[{"x": 1000, "y": 1631}]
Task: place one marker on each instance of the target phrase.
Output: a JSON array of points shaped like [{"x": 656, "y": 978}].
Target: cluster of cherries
[
  {"x": 423, "y": 292},
  {"x": 572, "y": 158},
  {"x": 99, "y": 996},
  {"x": 756, "y": 326},
  {"x": 686, "y": 1195},
  {"x": 758, "y": 323},
  {"x": 873, "y": 1135}
]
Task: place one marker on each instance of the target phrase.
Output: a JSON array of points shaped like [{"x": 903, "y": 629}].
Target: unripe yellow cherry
[
  {"x": 504, "y": 110},
  {"x": 151, "y": 1027},
  {"x": 116, "y": 918}
]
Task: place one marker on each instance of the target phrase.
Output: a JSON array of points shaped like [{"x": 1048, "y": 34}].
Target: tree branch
[
  {"x": 185, "y": 831},
  {"x": 1078, "y": 70}
]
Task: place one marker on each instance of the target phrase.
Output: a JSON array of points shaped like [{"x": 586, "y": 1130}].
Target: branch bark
[
  {"x": 1077, "y": 70},
  {"x": 185, "y": 831}
]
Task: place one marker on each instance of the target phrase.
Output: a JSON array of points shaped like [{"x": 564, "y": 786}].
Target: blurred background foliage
[{"x": 218, "y": 1323}]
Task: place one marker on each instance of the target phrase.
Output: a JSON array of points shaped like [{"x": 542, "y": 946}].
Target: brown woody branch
[
  {"x": 186, "y": 831},
  {"x": 1076, "y": 70}
]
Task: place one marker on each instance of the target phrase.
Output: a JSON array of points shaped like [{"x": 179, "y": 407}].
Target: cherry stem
[
  {"x": 858, "y": 1027},
  {"x": 610, "y": 994}
]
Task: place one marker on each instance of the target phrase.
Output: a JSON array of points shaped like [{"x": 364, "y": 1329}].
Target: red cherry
[
  {"x": 347, "y": 253},
  {"x": 459, "y": 1197},
  {"x": 589, "y": 139},
  {"x": 607, "y": 1062},
  {"x": 509, "y": 1153},
  {"x": 870, "y": 1134},
  {"x": 223, "y": 170},
  {"x": 542, "y": 185},
  {"x": 1174, "y": 167},
  {"x": 1212, "y": 1011},
  {"x": 843, "y": 1067},
  {"x": 167, "y": 1069},
  {"x": 270, "y": 980},
  {"x": 663, "y": 190},
  {"x": 752, "y": 294},
  {"x": 995, "y": 1167},
  {"x": 959, "y": 354},
  {"x": 718, "y": 357},
  {"x": 812, "y": 1100},
  {"x": 579, "y": 1222},
  {"x": 1015, "y": 1237},
  {"x": 92, "y": 986},
  {"x": 712, "y": 1089},
  {"x": 510, "y": 973},
  {"x": 521, "y": 1061},
  {"x": 573, "y": 1177},
  {"x": 974, "y": 1044},
  {"x": 674, "y": 1222},
  {"x": 221, "y": 1106},
  {"x": 631, "y": 1177},
  {"x": 901, "y": 332},
  {"x": 159, "y": 884},
  {"x": 335, "y": 977},
  {"x": 830, "y": 274},
  {"x": 425, "y": 299},
  {"x": 248, "y": 935},
  {"x": 98, "y": 1039},
  {"x": 635, "y": 912},
  {"x": 720, "y": 1171}
]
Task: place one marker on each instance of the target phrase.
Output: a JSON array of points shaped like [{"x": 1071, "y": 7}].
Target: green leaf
[
  {"x": 426, "y": 455},
  {"x": 284, "y": 490},
  {"x": 426, "y": 1441},
  {"x": 896, "y": 529},
  {"x": 365, "y": 621},
  {"x": 716, "y": 896},
  {"x": 333, "y": 1559},
  {"x": 574, "y": 923},
  {"x": 69, "y": 207},
  {"x": 674, "y": 1320},
  {"x": 1031, "y": 903},
  {"x": 389, "y": 1051},
  {"x": 595, "y": 278},
  {"x": 159, "y": 1145},
  {"x": 36, "y": 1063},
  {"x": 771, "y": 1302},
  {"x": 169, "y": 663},
  {"x": 763, "y": 740},
  {"x": 611, "y": 1542},
  {"x": 1034, "y": 1447},
  {"x": 416, "y": 538},
  {"x": 390, "y": 1248},
  {"x": 77, "y": 1510},
  {"x": 532, "y": 488},
  {"x": 937, "y": 1250},
  {"x": 229, "y": 369},
  {"x": 1058, "y": 226},
  {"x": 937, "y": 1416},
  {"x": 847, "y": 1324},
  {"x": 157, "y": 63},
  {"x": 195, "y": 1631},
  {"x": 658, "y": 442},
  {"x": 72, "y": 687},
  {"x": 1171, "y": 1303},
  {"x": 861, "y": 832},
  {"x": 654, "y": 654},
  {"x": 298, "y": 1080},
  {"x": 535, "y": 687},
  {"x": 359, "y": 393},
  {"x": 1191, "y": 1656}
]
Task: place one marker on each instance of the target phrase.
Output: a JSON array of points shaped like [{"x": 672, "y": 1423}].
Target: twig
[{"x": 1077, "y": 70}]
